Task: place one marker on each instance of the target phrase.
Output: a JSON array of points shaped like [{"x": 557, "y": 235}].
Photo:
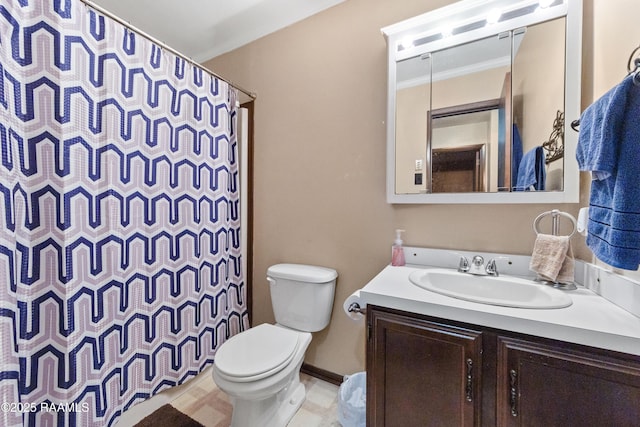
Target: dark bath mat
[{"x": 168, "y": 416}]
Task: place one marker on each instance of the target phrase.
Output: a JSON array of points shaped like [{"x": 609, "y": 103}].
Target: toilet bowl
[
  {"x": 264, "y": 385},
  {"x": 260, "y": 368}
]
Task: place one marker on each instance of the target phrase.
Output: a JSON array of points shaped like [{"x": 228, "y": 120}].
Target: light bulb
[
  {"x": 407, "y": 43},
  {"x": 494, "y": 16},
  {"x": 446, "y": 31}
]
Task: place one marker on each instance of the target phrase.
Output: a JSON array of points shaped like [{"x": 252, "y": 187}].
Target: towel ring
[
  {"x": 633, "y": 64},
  {"x": 556, "y": 214}
]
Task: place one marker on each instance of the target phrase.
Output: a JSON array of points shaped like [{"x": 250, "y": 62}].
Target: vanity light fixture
[{"x": 494, "y": 16}]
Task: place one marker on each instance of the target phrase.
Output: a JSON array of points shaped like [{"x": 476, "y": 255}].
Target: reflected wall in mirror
[
  {"x": 473, "y": 112},
  {"x": 538, "y": 94},
  {"x": 413, "y": 103},
  {"x": 469, "y": 98}
]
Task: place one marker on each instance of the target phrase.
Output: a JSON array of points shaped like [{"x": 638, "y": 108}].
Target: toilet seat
[{"x": 256, "y": 353}]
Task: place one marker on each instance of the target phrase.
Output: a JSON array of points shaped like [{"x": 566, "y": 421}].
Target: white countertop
[{"x": 590, "y": 320}]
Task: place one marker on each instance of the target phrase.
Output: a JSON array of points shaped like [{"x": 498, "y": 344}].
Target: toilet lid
[{"x": 257, "y": 352}]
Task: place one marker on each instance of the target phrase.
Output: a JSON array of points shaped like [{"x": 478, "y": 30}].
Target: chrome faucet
[
  {"x": 477, "y": 266},
  {"x": 477, "y": 261}
]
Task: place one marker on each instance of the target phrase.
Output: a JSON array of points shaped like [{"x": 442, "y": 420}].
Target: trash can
[{"x": 352, "y": 397}]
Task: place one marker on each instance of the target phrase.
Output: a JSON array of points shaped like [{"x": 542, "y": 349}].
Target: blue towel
[
  {"x": 609, "y": 147},
  {"x": 541, "y": 171},
  {"x": 516, "y": 154},
  {"x": 532, "y": 172}
]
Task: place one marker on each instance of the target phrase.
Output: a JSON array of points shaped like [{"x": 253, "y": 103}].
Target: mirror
[{"x": 477, "y": 116}]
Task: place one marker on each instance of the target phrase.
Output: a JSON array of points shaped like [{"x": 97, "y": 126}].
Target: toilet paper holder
[{"x": 354, "y": 307}]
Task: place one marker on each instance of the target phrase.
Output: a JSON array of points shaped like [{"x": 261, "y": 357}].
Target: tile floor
[{"x": 210, "y": 406}]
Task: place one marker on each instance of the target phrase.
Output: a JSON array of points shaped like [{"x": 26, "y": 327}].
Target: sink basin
[{"x": 506, "y": 291}]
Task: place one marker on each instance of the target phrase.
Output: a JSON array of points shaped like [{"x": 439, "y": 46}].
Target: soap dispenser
[{"x": 397, "y": 252}]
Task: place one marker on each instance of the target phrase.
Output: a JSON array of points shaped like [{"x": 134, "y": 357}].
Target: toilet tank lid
[{"x": 302, "y": 273}]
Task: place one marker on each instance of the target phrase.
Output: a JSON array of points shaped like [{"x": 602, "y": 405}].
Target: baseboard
[{"x": 327, "y": 376}]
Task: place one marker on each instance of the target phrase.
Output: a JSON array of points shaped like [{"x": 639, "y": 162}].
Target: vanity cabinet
[
  {"x": 421, "y": 372},
  {"x": 424, "y": 371}
]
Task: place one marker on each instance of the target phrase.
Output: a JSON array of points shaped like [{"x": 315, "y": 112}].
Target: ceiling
[{"x": 203, "y": 29}]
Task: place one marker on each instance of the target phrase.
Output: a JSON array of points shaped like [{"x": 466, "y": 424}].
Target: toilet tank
[{"x": 302, "y": 295}]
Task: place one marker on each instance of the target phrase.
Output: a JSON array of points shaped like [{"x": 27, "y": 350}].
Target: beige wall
[{"x": 320, "y": 155}]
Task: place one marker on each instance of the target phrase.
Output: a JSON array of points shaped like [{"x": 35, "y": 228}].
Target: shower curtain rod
[{"x": 165, "y": 46}]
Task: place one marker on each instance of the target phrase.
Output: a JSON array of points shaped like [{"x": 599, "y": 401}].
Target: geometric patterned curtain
[{"x": 120, "y": 257}]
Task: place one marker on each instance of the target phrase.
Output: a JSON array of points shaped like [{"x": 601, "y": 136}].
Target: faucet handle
[
  {"x": 463, "y": 265},
  {"x": 491, "y": 268}
]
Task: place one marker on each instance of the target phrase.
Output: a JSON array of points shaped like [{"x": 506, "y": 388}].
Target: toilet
[{"x": 260, "y": 367}]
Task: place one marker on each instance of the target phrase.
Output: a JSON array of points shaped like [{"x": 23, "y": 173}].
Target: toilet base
[{"x": 274, "y": 411}]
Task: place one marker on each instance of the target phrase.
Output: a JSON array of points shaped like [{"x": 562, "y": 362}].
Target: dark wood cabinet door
[
  {"x": 421, "y": 373},
  {"x": 559, "y": 385}
]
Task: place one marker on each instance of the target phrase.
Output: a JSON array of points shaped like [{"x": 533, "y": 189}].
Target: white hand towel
[
  {"x": 552, "y": 258},
  {"x": 567, "y": 271}
]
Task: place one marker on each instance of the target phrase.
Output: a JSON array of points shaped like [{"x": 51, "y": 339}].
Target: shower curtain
[{"x": 120, "y": 258}]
